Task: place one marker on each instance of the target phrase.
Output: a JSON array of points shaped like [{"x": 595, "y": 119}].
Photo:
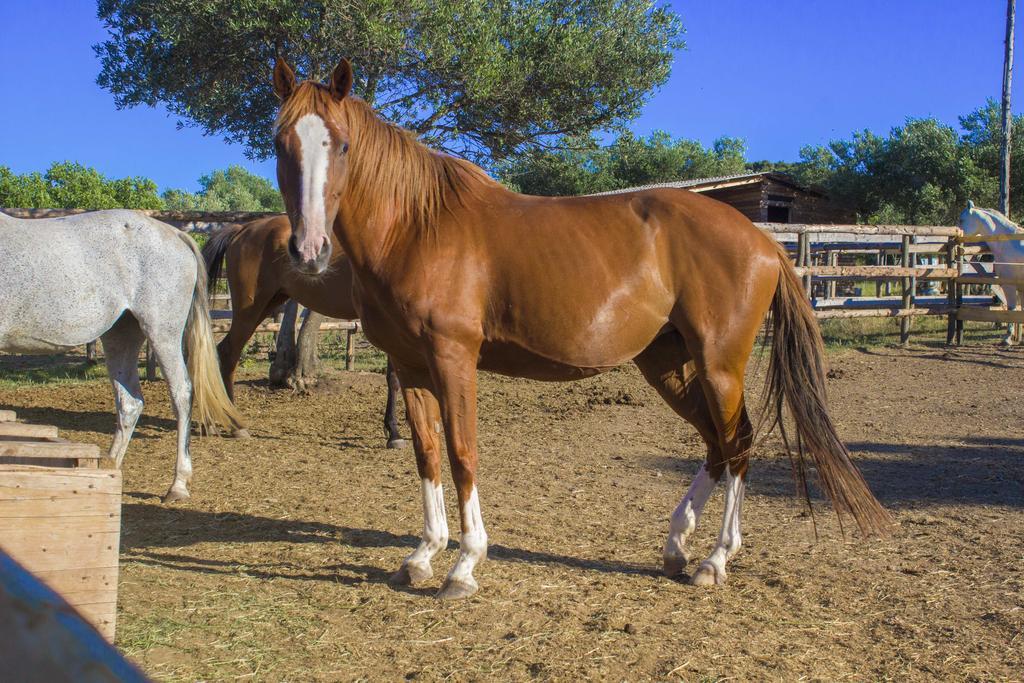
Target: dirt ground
[{"x": 277, "y": 568}]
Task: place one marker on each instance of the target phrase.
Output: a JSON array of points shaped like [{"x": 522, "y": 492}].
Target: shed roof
[{"x": 719, "y": 182}]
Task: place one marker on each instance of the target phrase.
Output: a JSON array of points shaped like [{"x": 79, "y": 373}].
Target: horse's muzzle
[{"x": 309, "y": 266}]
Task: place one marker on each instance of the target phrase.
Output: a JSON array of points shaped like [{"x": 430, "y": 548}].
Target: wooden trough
[{"x": 60, "y": 516}]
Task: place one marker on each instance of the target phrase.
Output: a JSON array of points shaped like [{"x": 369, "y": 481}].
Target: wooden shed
[{"x": 763, "y": 197}]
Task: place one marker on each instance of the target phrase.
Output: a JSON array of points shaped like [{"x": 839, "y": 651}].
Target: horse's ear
[
  {"x": 284, "y": 79},
  {"x": 970, "y": 205},
  {"x": 341, "y": 79}
]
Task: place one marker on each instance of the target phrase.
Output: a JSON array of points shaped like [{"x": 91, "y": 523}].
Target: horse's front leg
[
  {"x": 1011, "y": 305},
  {"x": 424, "y": 421},
  {"x": 454, "y": 373}
]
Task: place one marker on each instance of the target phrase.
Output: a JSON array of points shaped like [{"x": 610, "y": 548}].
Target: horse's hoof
[
  {"x": 174, "y": 495},
  {"x": 708, "y": 575},
  {"x": 240, "y": 434},
  {"x": 674, "y": 566},
  {"x": 398, "y": 443},
  {"x": 410, "y": 574},
  {"x": 457, "y": 589}
]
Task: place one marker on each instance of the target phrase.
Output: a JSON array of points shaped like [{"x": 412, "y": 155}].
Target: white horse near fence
[
  {"x": 124, "y": 278},
  {"x": 1009, "y": 254}
]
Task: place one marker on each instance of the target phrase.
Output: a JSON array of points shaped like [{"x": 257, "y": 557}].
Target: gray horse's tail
[
  {"x": 215, "y": 249},
  {"x": 211, "y": 405}
]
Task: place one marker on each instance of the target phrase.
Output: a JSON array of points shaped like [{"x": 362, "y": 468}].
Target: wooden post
[
  {"x": 951, "y": 292},
  {"x": 958, "y": 252},
  {"x": 1004, "y": 166},
  {"x": 909, "y": 285},
  {"x": 804, "y": 258},
  {"x": 150, "y": 364},
  {"x": 833, "y": 260},
  {"x": 350, "y": 350}
]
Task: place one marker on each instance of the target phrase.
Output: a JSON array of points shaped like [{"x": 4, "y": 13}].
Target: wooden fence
[
  {"x": 928, "y": 266},
  {"x": 818, "y": 250}
]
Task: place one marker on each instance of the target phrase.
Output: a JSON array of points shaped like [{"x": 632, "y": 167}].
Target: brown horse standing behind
[
  {"x": 454, "y": 272},
  {"x": 261, "y": 278}
]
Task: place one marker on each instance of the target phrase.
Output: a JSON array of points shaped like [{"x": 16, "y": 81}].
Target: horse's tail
[
  {"x": 215, "y": 249},
  {"x": 796, "y": 378},
  {"x": 211, "y": 404}
]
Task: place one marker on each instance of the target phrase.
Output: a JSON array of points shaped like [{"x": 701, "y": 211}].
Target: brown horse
[
  {"x": 261, "y": 278},
  {"x": 454, "y": 272}
]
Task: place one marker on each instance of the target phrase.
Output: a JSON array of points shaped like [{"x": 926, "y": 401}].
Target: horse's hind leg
[
  {"x": 121, "y": 345},
  {"x": 720, "y": 359},
  {"x": 395, "y": 439},
  {"x": 244, "y": 321},
  {"x": 1011, "y": 305},
  {"x": 667, "y": 366},
  {"x": 172, "y": 362}
]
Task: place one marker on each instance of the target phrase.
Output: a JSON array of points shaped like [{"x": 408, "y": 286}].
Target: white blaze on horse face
[{"x": 314, "y": 148}]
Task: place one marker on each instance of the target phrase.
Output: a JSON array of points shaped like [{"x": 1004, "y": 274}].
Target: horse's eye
[{"x": 344, "y": 148}]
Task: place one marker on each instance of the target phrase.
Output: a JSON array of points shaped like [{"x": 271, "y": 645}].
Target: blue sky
[{"x": 778, "y": 73}]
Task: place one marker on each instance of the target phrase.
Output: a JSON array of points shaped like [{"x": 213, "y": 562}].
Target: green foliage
[
  {"x": 584, "y": 167},
  {"x": 68, "y": 185},
  {"x": 923, "y": 172},
  {"x": 234, "y": 189},
  {"x": 481, "y": 78}
]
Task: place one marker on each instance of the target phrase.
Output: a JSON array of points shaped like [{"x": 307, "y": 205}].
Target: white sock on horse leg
[
  {"x": 712, "y": 570},
  {"x": 687, "y": 514},
  {"x": 435, "y": 526},
  {"x": 472, "y": 543}
]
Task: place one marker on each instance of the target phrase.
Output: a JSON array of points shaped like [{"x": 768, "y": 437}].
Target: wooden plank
[
  {"x": 995, "y": 281},
  {"x": 975, "y": 239},
  {"x": 881, "y": 312},
  {"x": 894, "y": 301},
  {"x": 988, "y": 315},
  {"x": 878, "y": 272},
  {"x": 222, "y": 326},
  {"x": 49, "y": 449},
  {"x": 7, "y": 416},
  {"x": 924, "y": 230},
  {"x": 21, "y": 429},
  {"x": 64, "y": 524},
  {"x": 165, "y": 216}
]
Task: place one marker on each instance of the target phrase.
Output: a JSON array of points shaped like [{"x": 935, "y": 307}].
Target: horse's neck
[{"x": 1001, "y": 226}]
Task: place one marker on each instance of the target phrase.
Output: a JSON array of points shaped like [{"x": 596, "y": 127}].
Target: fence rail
[{"x": 818, "y": 249}]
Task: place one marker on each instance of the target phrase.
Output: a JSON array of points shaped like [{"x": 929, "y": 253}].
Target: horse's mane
[
  {"x": 391, "y": 174},
  {"x": 1000, "y": 218}
]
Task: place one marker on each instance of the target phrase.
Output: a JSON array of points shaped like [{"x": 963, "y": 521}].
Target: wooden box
[{"x": 60, "y": 516}]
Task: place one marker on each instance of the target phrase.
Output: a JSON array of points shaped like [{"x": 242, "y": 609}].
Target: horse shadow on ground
[
  {"x": 968, "y": 471},
  {"x": 978, "y": 471},
  {"x": 149, "y": 529},
  {"x": 994, "y": 356},
  {"x": 92, "y": 421}
]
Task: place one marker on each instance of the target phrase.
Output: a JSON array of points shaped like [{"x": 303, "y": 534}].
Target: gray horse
[{"x": 124, "y": 278}]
